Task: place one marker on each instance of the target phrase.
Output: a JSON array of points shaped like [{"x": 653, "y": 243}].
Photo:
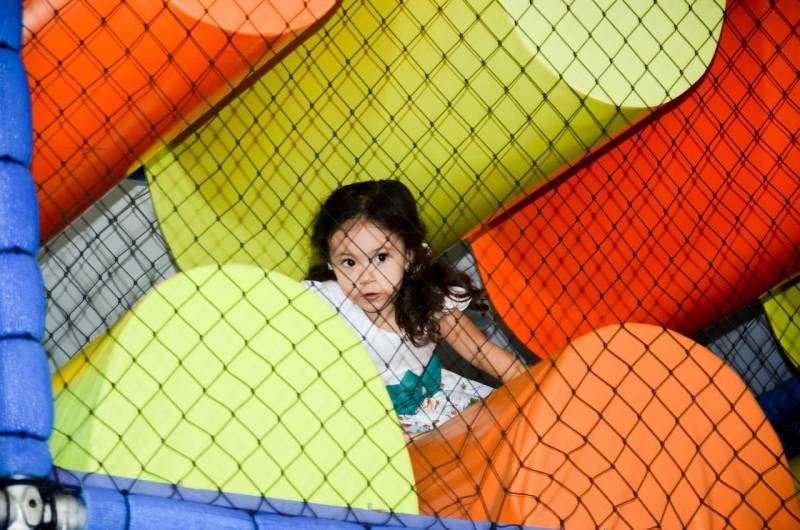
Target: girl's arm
[{"x": 471, "y": 344}]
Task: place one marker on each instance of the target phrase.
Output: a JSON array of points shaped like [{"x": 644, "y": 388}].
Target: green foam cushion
[
  {"x": 782, "y": 311},
  {"x": 237, "y": 379}
]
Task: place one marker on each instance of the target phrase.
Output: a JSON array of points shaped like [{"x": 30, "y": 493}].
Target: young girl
[
  {"x": 372, "y": 263},
  {"x": 630, "y": 426}
]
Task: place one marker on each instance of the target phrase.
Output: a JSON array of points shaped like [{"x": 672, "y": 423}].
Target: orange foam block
[
  {"x": 112, "y": 80},
  {"x": 681, "y": 222},
  {"x": 630, "y": 426}
]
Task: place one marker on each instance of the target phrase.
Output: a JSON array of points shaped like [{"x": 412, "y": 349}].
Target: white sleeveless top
[{"x": 394, "y": 354}]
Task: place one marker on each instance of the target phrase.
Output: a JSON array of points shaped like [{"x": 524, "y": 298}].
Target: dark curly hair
[{"x": 429, "y": 279}]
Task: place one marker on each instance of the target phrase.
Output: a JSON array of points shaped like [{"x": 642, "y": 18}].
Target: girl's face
[{"x": 369, "y": 263}]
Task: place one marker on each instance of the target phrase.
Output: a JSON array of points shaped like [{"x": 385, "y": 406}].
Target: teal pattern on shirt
[{"x": 411, "y": 391}]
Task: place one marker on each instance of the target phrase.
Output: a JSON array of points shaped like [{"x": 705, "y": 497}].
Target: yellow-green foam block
[
  {"x": 794, "y": 465},
  {"x": 783, "y": 312},
  {"x": 237, "y": 379},
  {"x": 469, "y": 102}
]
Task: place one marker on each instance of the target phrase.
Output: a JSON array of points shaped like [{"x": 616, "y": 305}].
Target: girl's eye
[
  {"x": 383, "y": 256},
  {"x": 348, "y": 263}
]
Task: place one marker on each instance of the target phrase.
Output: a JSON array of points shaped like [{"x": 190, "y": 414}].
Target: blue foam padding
[
  {"x": 26, "y": 395},
  {"x": 16, "y": 133},
  {"x": 11, "y": 24},
  {"x": 147, "y": 513},
  {"x": 437, "y": 523},
  {"x": 21, "y": 297},
  {"x": 19, "y": 209},
  {"x": 782, "y": 403},
  {"x": 283, "y": 522},
  {"x": 106, "y": 509},
  {"x": 269, "y": 512},
  {"x": 24, "y": 456}
]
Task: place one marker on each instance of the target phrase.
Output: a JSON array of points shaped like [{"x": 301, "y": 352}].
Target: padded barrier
[
  {"x": 11, "y": 24},
  {"x": 147, "y": 513},
  {"x": 26, "y": 410},
  {"x": 439, "y": 523},
  {"x": 25, "y": 392},
  {"x": 99, "y": 485},
  {"x": 16, "y": 139},
  {"x": 105, "y": 508},
  {"x": 282, "y": 522},
  {"x": 19, "y": 209},
  {"x": 24, "y": 456},
  {"x": 109, "y": 509},
  {"x": 21, "y": 297}
]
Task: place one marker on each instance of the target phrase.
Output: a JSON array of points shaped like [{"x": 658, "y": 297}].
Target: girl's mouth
[{"x": 372, "y": 296}]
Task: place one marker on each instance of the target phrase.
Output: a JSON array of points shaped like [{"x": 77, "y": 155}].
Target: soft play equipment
[
  {"x": 470, "y": 114},
  {"x": 26, "y": 412},
  {"x": 111, "y": 81},
  {"x": 672, "y": 137},
  {"x": 279, "y": 398},
  {"x": 783, "y": 308},
  {"x": 746, "y": 342},
  {"x": 698, "y": 221},
  {"x": 630, "y": 426}
]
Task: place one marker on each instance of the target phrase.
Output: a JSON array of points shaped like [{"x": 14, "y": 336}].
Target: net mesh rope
[{"x": 555, "y": 150}]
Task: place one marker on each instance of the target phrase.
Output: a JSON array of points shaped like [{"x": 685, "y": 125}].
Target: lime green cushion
[
  {"x": 472, "y": 102},
  {"x": 783, "y": 310},
  {"x": 237, "y": 379}
]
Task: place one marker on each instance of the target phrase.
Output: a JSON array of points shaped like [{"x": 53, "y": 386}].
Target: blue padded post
[
  {"x": 21, "y": 455},
  {"x": 16, "y": 137},
  {"x": 19, "y": 209},
  {"x": 106, "y": 509},
  {"x": 11, "y": 24},
  {"x": 24, "y": 372},
  {"x": 21, "y": 298},
  {"x": 26, "y": 410}
]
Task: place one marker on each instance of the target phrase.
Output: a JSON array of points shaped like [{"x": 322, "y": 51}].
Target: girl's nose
[{"x": 368, "y": 274}]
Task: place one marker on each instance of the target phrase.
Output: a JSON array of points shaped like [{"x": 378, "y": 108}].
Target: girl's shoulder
[
  {"x": 329, "y": 290},
  {"x": 332, "y": 293}
]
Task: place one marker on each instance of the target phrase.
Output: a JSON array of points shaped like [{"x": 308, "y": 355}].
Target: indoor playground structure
[{"x": 622, "y": 177}]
